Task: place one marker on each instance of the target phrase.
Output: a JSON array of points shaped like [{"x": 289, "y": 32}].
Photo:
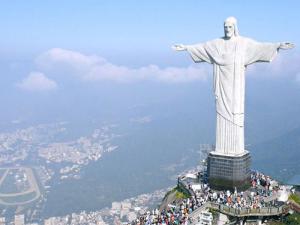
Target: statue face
[{"x": 228, "y": 30}]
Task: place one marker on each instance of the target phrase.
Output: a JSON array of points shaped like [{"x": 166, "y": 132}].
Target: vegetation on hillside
[
  {"x": 179, "y": 193},
  {"x": 295, "y": 198},
  {"x": 293, "y": 219}
]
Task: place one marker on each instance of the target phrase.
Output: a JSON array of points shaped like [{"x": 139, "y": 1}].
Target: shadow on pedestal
[{"x": 227, "y": 172}]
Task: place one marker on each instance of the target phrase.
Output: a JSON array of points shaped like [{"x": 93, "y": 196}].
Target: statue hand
[
  {"x": 286, "y": 45},
  {"x": 179, "y": 47}
]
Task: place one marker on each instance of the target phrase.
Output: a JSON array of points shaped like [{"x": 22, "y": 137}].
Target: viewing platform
[
  {"x": 260, "y": 206},
  {"x": 239, "y": 213}
]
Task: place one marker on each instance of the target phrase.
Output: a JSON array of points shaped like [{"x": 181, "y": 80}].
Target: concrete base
[{"x": 227, "y": 172}]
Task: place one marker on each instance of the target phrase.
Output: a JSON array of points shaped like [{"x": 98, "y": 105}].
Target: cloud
[
  {"x": 37, "y": 81},
  {"x": 62, "y": 59},
  {"x": 285, "y": 64},
  {"x": 90, "y": 68},
  {"x": 95, "y": 68}
]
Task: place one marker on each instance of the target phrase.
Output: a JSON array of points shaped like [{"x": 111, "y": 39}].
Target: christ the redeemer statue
[{"x": 230, "y": 55}]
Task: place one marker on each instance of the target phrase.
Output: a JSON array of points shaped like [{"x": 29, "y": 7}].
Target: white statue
[{"x": 230, "y": 55}]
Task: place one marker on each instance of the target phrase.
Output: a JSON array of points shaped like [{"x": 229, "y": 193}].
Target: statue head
[{"x": 230, "y": 27}]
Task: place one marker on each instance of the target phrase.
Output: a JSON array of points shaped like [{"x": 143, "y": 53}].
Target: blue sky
[
  {"x": 53, "y": 50},
  {"x": 127, "y": 27}
]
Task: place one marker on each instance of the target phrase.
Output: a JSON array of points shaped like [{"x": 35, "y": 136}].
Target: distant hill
[{"x": 279, "y": 157}]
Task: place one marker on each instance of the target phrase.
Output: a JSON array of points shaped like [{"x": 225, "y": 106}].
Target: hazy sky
[
  {"x": 129, "y": 27},
  {"x": 56, "y": 52}
]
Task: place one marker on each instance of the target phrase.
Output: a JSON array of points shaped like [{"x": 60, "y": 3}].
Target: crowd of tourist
[
  {"x": 174, "y": 214},
  {"x": 258, "y": 196}
]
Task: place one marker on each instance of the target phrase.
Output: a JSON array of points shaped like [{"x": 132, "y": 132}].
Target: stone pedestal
[{"x": 225, "y": 172}]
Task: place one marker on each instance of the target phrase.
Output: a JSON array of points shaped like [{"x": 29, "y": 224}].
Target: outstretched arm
[
  {"x": 264, "y": 52},
  {"x": 198, "y": 52},
  {"x": 286, "y": 45},
  {"x": 179, "y": 47}
]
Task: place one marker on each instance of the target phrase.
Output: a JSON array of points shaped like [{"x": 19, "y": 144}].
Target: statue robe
[{"x": 230, "y": 59}]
